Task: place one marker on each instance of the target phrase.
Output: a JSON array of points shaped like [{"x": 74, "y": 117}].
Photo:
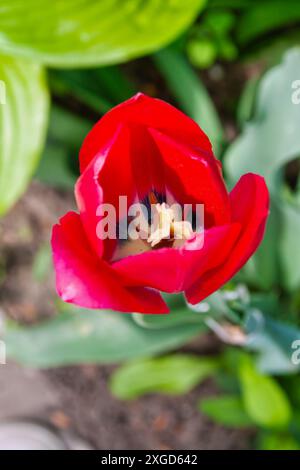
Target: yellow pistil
[{"x": 167, "y": 227}]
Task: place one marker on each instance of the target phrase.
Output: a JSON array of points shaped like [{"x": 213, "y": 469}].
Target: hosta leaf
[
  {"x": 74, "y": 33},
  {"x": 23, "y": 120},
  {"x": 173, "y": 375},
  {"x": 80, "y": 336},
  {"x": 265, "y": 401}
]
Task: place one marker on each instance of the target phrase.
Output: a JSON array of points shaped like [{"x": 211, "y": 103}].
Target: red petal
[
  {"x": 173, "y": 270},
  {"x": 145, "y": 111},
  {"x": 193, "y": 176},
  {"x": 106, "y": 177},
  {"x": 250, "y": 207},
  {"x": 87, "y": 281}
]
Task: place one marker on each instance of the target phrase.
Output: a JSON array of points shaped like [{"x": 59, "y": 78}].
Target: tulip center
[
  {"x": 167, "y": 227},
  {"x": 163, "y": 228}
]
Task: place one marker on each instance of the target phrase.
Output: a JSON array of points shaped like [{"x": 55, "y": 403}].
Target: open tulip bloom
[{"x": 154, "y": 214}]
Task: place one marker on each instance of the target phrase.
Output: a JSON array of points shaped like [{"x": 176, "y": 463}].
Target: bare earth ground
[{"x": 77, "y": 398}]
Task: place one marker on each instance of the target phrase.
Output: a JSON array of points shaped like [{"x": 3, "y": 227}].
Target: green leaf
[
  {"x": 288, "y": 244},
  {"x": 54, "y": 167},
  {"x": 23, "y": 121},
  {"x": 266, "y": 144},
  {"x": 78, "y": 33},
  {"x": 100, "y": 89},
  {"x": 277, "y": 441},
  {"x": 220, "y": 21},
  {"x": 263, "y": 269},
  {"x": 227, "y": 49},
  {"x": 173, "y": 375},
  {"x": 265, "y": 16},
  {"x": 234, "y": 4},
  {"x": 68, "y": 129},
  {"x": 180, "y": 315},
  {"x": 59, "y": 163},
  {"x": 227, "y": 410},
  {"x": 265, "y": 401},
  {"x": 85, "y": 336},
  {"x": 291, "y": 384},
  {"x": 190, "y": 93},
  {"x": 201, "y": 52},
  {"x": 246, "y": 103},
  {"x": 273, "y": 341},
  {"x": 273, "y": 47}
]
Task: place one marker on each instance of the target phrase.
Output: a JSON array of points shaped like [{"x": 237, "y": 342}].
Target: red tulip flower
[{"x": 147, "y": 150}]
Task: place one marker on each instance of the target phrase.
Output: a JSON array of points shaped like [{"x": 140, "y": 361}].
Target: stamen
[
  {"x": 168, "y": 228},
  {"x": 152, "y": 198}
]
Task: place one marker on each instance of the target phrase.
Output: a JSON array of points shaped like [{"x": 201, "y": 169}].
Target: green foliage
[
  {"x": 180, "y": 315},
  {"x": 265, "y": 401},
  {"x": 227, "y": 410},
  {"x": 277, "y": 441},
  {"x": 211, "y": 39},
  {"x": 201, "y": 52},
  {"x": 266, "y": 144},
  {"x": 265, "y": 16},
  {"x": 85, "y": 336},
  {"x": 59, "y": 162},
  {"x": 100, "y": 89},
  {"x": 23, "y": 120},
  {"x": 256, "y": 401},
  {"x": 245, "y": 108},
  {"x": 69, "y": 33},
  {"x": 272, "y": 340},
  {"x": 79, "y": 34},
  {"x": 190, "y": 93},
  {"x": 264, "y": 147},
  {"x": 54, "y": 167},
  {"x": 173, "y": 375},
  {"x": 288, "y": 245}
]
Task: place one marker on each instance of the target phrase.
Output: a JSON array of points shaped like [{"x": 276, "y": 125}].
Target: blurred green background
[{"x": 234, "y": 67}]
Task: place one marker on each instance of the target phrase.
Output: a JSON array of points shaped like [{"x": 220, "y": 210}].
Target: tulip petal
[
  {"x": 85, "y": 280},
  {"x": 97, "y": 185},
  {"x": 145, "y": 111},
  {"x": 193, "y": 176},
  {"x": 250, "y": 207},
  {"x": 174, "y": 269}
]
